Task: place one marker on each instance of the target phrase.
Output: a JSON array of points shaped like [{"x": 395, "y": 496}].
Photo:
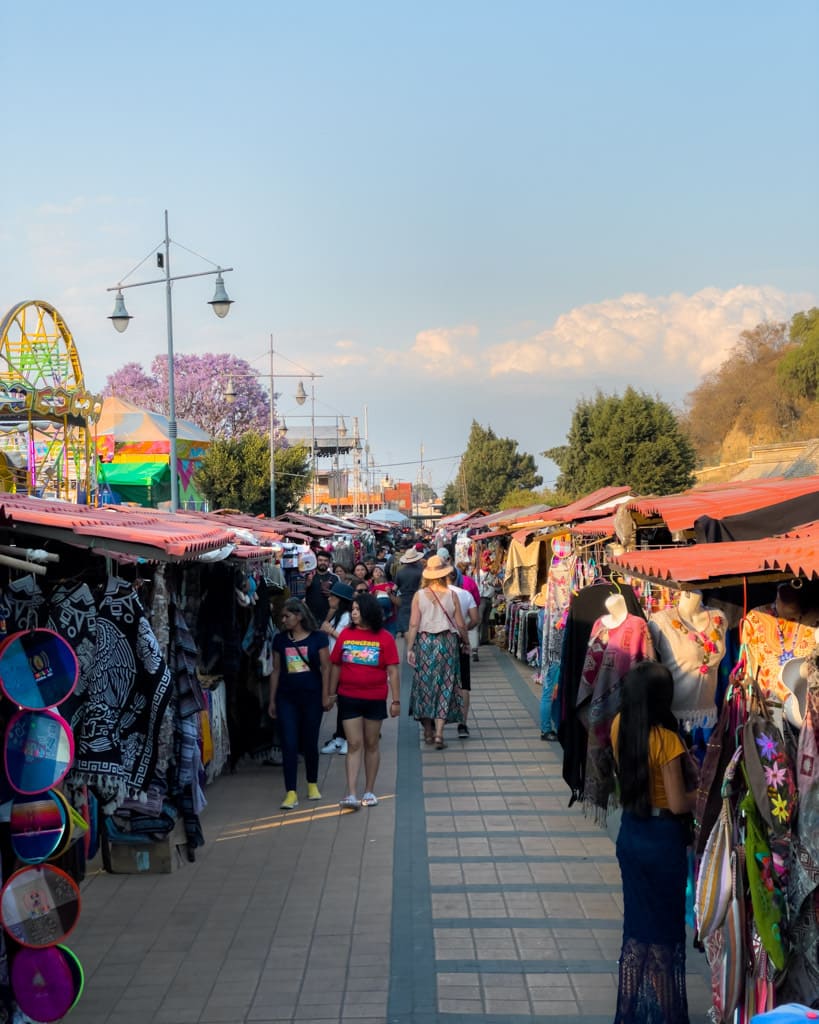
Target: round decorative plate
[
  {"x": 38, "y": 825},
  {"x": 38, "y": 750},
  {"x": 40, "y": 905},
  {"x": 44, "y": 983},
  {"x": 38, "y": 669}
]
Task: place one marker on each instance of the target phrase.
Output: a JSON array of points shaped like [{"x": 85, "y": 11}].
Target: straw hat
[
  {"x": 539, "y": 600},
  {"x": 413, "y": 555},
  {"x": 436, "y": 569}
]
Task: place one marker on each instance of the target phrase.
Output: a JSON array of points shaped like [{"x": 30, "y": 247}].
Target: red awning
[
  {"x": 603, "y": 527},
  {"x": 680, "y": 511},
  {"x": 703, "y": 563}
]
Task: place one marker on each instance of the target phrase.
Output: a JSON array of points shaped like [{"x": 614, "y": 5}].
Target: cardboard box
[{"x": 160, "y": 858}]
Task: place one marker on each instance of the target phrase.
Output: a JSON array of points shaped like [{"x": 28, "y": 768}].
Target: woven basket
[{"x": 499, "y": 637}]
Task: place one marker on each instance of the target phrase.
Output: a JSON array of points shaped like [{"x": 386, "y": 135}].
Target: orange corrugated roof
[
  {"x": 179, "y": 536},
  {"x": 602, "y": 527},
  {"x": 680, "y": 511},
  {"x": 588, "y": 505},
  {"x": 699, "y": 563}
]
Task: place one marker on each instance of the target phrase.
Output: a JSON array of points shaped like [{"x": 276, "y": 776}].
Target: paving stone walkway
[{"x": 470, "y": 894}]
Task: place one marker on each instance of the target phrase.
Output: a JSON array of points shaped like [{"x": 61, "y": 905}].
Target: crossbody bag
[{"x": 464, "y": 644}]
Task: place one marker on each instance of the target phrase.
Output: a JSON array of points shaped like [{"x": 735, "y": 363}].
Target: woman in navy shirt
[{"x": 299, "y": 687}]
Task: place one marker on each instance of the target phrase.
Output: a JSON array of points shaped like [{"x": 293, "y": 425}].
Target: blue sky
[{"x": 449, "y": 210}]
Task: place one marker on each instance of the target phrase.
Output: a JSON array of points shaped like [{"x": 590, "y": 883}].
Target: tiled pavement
[{"x": 470, "y": 894}]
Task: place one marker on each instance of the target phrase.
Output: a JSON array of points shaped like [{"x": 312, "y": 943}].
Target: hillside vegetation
[{"x": 765, "y": 392}]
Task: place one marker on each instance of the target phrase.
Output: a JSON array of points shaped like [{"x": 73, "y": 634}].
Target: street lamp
[
  {"x": 120, "y": 318},
  {"x": 230, "y": 395},
  {"x": 301, "y": 398}
]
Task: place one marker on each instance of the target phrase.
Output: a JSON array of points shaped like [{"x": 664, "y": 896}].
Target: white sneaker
[
  {"x": 342, "y": 747},
  {"x": 331, "y": 746}
]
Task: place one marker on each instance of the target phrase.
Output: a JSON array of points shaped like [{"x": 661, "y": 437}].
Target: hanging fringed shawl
[
  {"x": 119, "y": 704},
  {"x": 802, "y": 981}
]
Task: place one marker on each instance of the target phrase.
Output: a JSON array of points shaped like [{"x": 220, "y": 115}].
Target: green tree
[
  {"x": 632, "y": 440},
  {"x": 798, "y": 371},
  {"x": 490, "y": 467},
  {"x": 236, "y": 474}
]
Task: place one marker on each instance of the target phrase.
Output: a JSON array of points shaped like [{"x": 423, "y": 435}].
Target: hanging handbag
[
  {"x": 722, "y": 744},
  {"x": 734, "y": 956},
  {"x": 767, "y": 898},
  {"x": 714, "y": 881},
  {"x": 768, "y": 767},
  {"x": 464, "y": 644}
]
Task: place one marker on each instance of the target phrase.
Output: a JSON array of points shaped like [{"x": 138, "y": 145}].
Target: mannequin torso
[
  {"x": 616, "y": 611},
  {"x": 690, "y": 641}
]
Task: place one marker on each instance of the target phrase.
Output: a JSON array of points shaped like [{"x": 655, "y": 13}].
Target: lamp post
[
  {"x": 301, "y": 398},
  {"x": 301, "y": 395},
  {"x": 120, "y": 318},
  {"x": 341, "y": 434}
]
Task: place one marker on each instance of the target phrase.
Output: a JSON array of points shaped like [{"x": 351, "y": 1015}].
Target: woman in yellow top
[{"x": 651, "y": 850}]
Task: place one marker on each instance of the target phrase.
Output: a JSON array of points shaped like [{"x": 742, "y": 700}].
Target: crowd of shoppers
[{"x": 336, "y": 650}]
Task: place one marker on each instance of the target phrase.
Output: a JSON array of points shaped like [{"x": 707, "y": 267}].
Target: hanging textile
[
  {"x": 520, "y": 579},
  {"x": 613, "y": 650},
  {"x": 802, "y": 980},
  {"x": 118, "y": 706},
  {"x": 584, "y": 609}
]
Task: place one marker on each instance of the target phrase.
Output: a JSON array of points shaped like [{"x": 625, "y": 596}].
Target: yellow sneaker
[
  {"x": 291, "y": 801},
  {"x": 313, "y": 791}
]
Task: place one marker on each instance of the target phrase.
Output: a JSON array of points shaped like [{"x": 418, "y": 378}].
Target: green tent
[{"x": 145, "y": 483}]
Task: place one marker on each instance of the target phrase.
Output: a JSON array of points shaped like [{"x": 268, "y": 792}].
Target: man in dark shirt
[{"x": 318, "y": 591}]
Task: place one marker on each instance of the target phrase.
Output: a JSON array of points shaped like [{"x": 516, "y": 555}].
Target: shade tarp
[
  {"x": 125, "y": 421},
  {"x": 146, "y": 483},
  {"x": 133, "y": 474},
  {"x": 387, "y": 515}
]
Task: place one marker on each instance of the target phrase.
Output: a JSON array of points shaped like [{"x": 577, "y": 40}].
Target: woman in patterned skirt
[{"x": 436, "y": 630}]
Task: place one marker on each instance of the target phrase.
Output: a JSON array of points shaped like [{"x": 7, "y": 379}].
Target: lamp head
[
  {"x": 220, "y": 303},
  {"x": 120, "y": 318},
  {"x": 282, "y": 428},
  {"x": 342, "y": 429},
  {"x": 301, "y": 394},
  {"x": 230, "y": 392}
]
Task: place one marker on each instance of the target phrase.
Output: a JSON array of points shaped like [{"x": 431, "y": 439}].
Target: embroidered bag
[
  {"x": 714, "y": 881},
  {"x": 766, "y": 897},
  {"x": 769, "y": 769}
]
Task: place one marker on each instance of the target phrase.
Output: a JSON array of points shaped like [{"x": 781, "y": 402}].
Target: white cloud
[
  {"x": 445, "y": 351},
  {"x": 655, "y": 337}
]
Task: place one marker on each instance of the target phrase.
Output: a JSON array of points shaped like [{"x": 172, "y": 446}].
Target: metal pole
[
  {"x": 337, "y": 476},
  {"x": 172, "y": 458},
  {"x": 313, "y": 435},
  {"x": 272, "y": 446}
]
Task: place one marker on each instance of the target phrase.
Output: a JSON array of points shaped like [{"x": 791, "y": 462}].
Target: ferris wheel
[{"x": 45, "y": 408}]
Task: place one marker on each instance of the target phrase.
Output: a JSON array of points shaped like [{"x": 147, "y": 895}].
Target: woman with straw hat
[{"x": 436, "y": 630}]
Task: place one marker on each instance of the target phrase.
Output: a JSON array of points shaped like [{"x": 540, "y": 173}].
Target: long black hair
[
  {"x": 344, "y": 605},
  {"x": 647, "y": 693},
  {"x": 297, "y": 607},
  {"x": 371, "y": 615}
]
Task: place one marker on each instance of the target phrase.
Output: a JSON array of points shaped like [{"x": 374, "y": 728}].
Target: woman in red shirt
[
  {"x": 384, "y": 591},
  {"x": 363, "y": 667}
]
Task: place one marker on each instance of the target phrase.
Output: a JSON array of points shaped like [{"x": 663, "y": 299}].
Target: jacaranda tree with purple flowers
[{"x": 201, "y": 382}]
